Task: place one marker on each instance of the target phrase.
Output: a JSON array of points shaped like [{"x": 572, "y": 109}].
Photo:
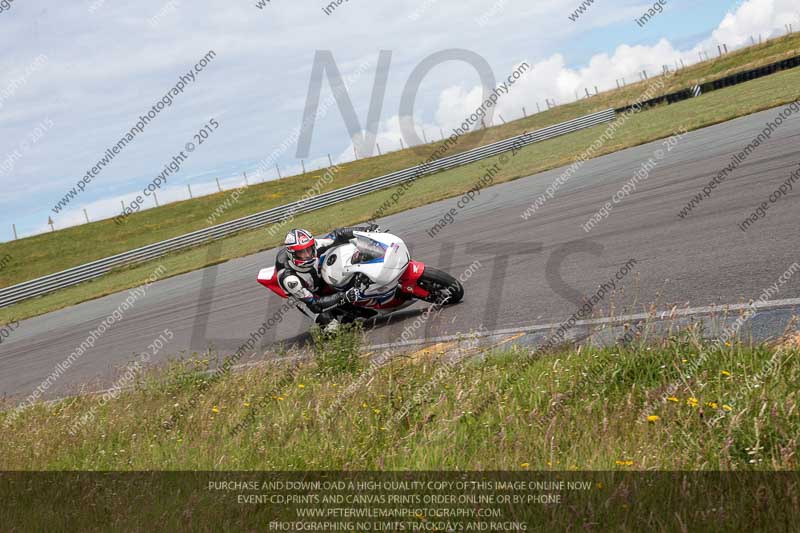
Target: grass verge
[
  {"x": 570, "y": 409},
  {"x": 713, "y": 108}
]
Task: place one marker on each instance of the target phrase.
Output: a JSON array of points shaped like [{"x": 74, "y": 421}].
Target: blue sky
[{"x": 75, "y": 76}]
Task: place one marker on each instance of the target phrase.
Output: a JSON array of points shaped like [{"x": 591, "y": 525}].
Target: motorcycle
[{"x": 380, "y": 266}]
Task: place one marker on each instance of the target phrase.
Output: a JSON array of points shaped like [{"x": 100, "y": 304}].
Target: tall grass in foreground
[{"x": 579, "y": 408}]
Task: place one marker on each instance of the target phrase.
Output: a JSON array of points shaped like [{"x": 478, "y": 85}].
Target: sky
[{"x": 75, "y": 77}]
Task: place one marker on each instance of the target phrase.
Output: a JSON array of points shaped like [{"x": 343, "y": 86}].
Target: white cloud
[
  {"x": 754, "y": 17},
  {"x": 553, "y": 79}
]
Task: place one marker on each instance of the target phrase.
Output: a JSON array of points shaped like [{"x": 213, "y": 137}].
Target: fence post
[
  {"x": 218, "y": 185},
  {"x": 303, "y": 166},
  {"x": 355, "y": 153},
  {"x": 86, "y": 215},
  {"x": 725, "y": 47},
  {"x": 501, "y": 118},
  {"x": 49, "y": 222},
  {"x": 14, "y": 226},
  {"x": 122, "y": 204},
  {"x": 279, "y": 170},
  {"x": 245, "y": 179},
  {"x": 190, "y": 190},
  {"x": 330, "y": 161},
  {"x": 538, "y": 109},
  {"x": 441, "y": 132},
  {"x": 378, "y": 146},
  {"x": 155, "y": 197},
  {"x": 402, "y": 146},
  {"x": 524, "y": 113},
  {"x": 424, "y": 137}
]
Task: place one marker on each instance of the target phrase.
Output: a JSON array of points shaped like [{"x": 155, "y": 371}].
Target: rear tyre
[{"x": 444, "y": 289}]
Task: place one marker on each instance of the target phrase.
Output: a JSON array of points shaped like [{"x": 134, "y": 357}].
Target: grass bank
[{"x": 571, "y": 409}]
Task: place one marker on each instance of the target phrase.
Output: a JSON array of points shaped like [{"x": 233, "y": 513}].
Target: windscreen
[{"x": 367, "y": 250}]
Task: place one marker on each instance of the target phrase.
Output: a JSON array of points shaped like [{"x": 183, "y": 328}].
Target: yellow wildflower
[
  {"x": 673, "y": 399},
  {"x": 725, "y": 373},
  {"x": 214, "y": 409},
  {"x": 301, "y": 386},
  {"x": 727, "y": 407},
  {"x": 246, "y": 404},
  {"x": 653, "y": 418},
  {"x": 627, "y": 462},
  {"x": 524, "y": 465},
  {"x": 692, "y": 402},
  {"x": 712, "y": 405},
  {"x": 281, "y": 398}
]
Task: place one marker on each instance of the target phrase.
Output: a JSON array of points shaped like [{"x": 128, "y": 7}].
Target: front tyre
[{"x": 444, "y": 289}]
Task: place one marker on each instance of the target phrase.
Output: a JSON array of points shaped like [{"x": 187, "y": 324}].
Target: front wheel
[{"x": 444, "y": 289}]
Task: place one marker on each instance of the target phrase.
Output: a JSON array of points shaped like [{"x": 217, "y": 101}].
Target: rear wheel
[{"x": 444, "y": 289}]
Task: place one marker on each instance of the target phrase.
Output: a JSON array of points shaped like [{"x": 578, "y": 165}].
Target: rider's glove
[
  {"x": 351, "y": 295},
  {"x": 373, "y": 228}
]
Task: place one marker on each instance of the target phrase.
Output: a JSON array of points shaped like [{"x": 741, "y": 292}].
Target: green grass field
[{"x": 570, "y": 409}]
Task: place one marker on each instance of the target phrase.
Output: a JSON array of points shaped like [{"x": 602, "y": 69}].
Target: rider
[{"x": 298, "y": 271}]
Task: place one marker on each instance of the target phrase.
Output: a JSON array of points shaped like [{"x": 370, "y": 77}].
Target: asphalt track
[{"x": 704, "y": 259}]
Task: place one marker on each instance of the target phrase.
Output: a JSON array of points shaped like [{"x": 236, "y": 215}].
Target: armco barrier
[
  {"x": 79, "y": 274},
  {"x": 721, "y": 83}
]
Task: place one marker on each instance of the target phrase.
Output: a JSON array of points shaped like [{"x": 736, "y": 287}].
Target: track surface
[{"x": 701, "y": 260}]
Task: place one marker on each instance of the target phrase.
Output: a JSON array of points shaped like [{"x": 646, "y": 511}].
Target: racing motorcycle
[{"x": 380, "y": 266}]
